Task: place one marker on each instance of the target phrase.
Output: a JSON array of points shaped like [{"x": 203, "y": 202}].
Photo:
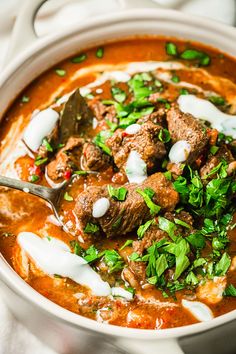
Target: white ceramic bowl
[{"x": 63, "y": 330}]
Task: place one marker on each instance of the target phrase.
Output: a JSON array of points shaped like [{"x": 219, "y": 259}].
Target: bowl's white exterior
[{"x": 66, "y": 331}]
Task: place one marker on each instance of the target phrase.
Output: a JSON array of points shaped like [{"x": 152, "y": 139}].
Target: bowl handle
[{"x": 23, "y": 34}]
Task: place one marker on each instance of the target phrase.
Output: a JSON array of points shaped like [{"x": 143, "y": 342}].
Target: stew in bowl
[{"x": 146, "y": 127}]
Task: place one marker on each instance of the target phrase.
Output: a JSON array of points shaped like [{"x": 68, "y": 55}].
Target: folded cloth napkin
[{"x": 15, "y": 338}]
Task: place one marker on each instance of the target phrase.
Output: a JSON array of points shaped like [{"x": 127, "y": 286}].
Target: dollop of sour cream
[
  {"x": 53, "y": 256},
  {"x": 136, "y": 168},
  {"x": 203, "y": 109},
  {"x": 199, "y": 310},
  {"x": 133, "y": 129},
  {"x": 117, "y": 291},
  {"x": 39, "y": 127},
  {"x": 100, "y": 207},
  {"x": 180, "y": 151}
]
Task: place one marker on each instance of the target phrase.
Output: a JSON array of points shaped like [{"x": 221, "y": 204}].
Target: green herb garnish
[
  {"x": 79, "y": 59},
  {"x": 68, "y": 197},
  {"x": 164, "y": 135},
  {"x": 47, "y": 145},
  {"x": 100, "y": 52},
  {"x": 60, "y": 72},
  {"x": 118, "y": 94},
  {"x": 91, "y": 228},
  {"x": 143, "y": 228},
  {"x": 100, "y": 140},
  {"x": 117, "y": 193},
  {"x": 154, "y": 208},
  {"x": 25, "y": 99},
  {"x": 230, "y": 290},
  {"x": 171, "y": 49}
]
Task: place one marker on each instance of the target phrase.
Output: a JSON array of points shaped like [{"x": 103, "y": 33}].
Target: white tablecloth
[{"x": 14, "y": 338}]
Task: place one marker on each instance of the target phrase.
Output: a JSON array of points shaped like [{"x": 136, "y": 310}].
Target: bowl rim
[{"x": 10, "y": 277}]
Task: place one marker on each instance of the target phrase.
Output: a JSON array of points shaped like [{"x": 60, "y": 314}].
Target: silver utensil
[{"x": 53, "y": 196}]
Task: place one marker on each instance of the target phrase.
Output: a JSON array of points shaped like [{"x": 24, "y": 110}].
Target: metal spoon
[{"x": 51, "y": 195}]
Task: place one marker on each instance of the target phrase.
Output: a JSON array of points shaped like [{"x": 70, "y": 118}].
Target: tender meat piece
[
  {"x": 102, "y": 111},
  {"x": 176, "y": 169},
  {"x": 53, "y": 139},
  {"x": 222, "y": 154},
  {"x": 93, "y": 158},
  {"x": 123, "y": 217},
  {"x": 183, "y": 126},
  {"x": 211, "y": 292},
  {"x": 156, "y": 117},
  {"x": 145, "y": 142},
  {"x": 67, "y": 159}
]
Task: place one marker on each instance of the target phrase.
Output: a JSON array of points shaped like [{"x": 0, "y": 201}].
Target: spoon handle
[{"x": 40, "y": 191}]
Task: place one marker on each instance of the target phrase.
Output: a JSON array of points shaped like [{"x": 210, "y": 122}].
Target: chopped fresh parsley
[
  {"x": 164, "y": 135},
  {"x": 118, "y": 94},
  {"x": 143, "y": 228},
  {"x": 81, "y": 172},
  {"x": 60, "y": 72},
  {"x": 175, "y": 79},
  {"x": 126, "y": 244},
  {"x": 117, "y": 193},
  {"x": 100, "y": 52},
  {"x": 25, "y": 99},
  {"x": 214, "y": 149},
  {"x": 79, "y": 59},
  {"x": 100, "y": 140},
  {"x": 223, "y": 265},
  {"x": 154, "y": 208},
  {"x": 77, "y": 249},
  {"x": 91, "y": 228},
  {"x": 113, "y": 260},
  {"x": 34, "y": 178},
  {"x": 171, "y": 49},
  {"x": 230, "y": 290},
  {"x": 47, "y": 145},
  {"x": 40, "y": 161},
  {"x": 168, "y": 226},
  {"x": 68, "y": 197},
  {"x": 217, "y": 100},
  {"x": 183, "y": 91},
  {"x": 193, "y": 54},
  {"x": 181, "y": 223}
]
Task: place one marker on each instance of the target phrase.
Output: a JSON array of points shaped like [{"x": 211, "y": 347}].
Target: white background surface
[{"x": 54, "y": 16}]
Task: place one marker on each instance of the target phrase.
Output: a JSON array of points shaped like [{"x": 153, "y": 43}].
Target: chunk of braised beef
[
  {"x": 93, "y": 158},
  {"x": 123, "y": 217},
  {"x": 176, "y": 169},
  {"x": 223, "y": 154},
  {"x": 156, "y": 117},
  {"x": 101, "y": 111},
  {"x": 67, "y": 159},
  {"x": 145, "y": 142},
  {"x": 183, "y": 126}
]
